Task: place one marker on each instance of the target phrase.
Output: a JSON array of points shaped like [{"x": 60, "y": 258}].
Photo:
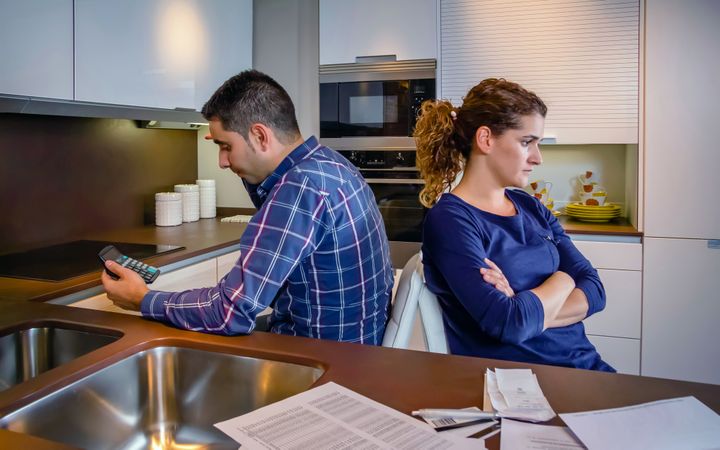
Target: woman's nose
[{"x": 535, "y": 154}]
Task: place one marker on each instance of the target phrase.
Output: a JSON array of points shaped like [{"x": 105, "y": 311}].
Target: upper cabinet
[
  {"x": 351, "y": 29},
  {"x": 160, "y": 53},
  {"x": 37, "y": 48},
  {"x": 682, "y": 92},
  {"x": 581, "y": 58}
]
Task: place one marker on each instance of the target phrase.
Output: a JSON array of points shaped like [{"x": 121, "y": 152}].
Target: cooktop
[{"x": 71, "y": 259}]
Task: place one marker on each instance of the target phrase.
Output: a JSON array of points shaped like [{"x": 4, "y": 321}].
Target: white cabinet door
[
  {"x": 227, "y": 45},
  {"x": 203, "y": 274},
  {"x": 159, "y": 53},
  {"x": 681, "y": 310},
  {"x": 621, "y": 316},
  {"x": 623, "y": 354},
  {"x": 681, "y": 96},
  {"x": 225, "y": 263},
  {"x": 405, "y": 28},
  {"x": 580, "y": 57},
  {"x": 611, "y": 255},
  {"x": 36, "y": 48}
]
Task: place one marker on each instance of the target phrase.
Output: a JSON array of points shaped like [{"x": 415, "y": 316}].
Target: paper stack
[{"x": 516, "y": 394}]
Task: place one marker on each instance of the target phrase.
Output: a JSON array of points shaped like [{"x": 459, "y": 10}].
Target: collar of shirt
[{"x": 300, "y": 152}]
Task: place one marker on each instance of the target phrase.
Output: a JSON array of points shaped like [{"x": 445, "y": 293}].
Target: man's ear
[
  {"x": 483, "y": 139},
  {"x": 261, "y": 135}
]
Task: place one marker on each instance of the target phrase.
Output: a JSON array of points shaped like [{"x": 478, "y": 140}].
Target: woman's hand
[{"x": 494, "y": 276}]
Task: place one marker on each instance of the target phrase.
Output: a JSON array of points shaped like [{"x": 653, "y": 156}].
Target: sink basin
[
  {"x": 26, "y": 353},
  {"x": 162, "y": 398}
]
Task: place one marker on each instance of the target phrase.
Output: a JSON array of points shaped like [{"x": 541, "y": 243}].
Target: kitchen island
[{"x": 402, "y": 379}]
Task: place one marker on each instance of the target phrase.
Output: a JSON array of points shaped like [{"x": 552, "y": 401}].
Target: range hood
[{"x": 178, "y": 118}]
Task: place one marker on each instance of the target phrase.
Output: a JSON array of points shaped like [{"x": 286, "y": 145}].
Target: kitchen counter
[
  {"x": 210, "y": 235},
  {"x": 404, "y": 380},
  {"x": 616, "y": 227},
  {"x": 199, "y": 238}
]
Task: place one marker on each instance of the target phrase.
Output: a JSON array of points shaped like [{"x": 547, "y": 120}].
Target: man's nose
[{"x": 223, "y": 161}]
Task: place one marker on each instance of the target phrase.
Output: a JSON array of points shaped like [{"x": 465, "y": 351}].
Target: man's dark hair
[{"x": 253, "y": 97}]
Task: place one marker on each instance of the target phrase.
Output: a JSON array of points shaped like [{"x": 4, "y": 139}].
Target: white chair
[{"x": 413, "y": 301}]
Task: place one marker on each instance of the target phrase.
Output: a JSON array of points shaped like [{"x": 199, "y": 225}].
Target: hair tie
[{"x": 453, "y": 115}]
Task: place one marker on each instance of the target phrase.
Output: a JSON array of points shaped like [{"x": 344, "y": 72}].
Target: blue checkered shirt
[{"x": 316, "y": 251}]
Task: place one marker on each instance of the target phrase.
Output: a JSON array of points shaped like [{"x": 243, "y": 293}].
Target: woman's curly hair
[{"x": 444, "y": 135}]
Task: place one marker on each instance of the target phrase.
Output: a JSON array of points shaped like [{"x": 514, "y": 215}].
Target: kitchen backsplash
[{"x": 64, "y": 177}]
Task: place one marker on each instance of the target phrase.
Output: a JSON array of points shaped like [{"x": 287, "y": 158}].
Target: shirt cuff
[
  {"x": 153, "y": 305},
  {"x": 535, "y": 315},
  {"x": 590, "y": 290}
]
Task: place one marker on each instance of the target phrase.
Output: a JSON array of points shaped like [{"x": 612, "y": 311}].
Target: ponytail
[{"x": 437, "y": 158}]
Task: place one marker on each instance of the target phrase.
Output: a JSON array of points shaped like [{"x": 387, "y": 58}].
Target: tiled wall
[{"x": 63, "y": 177}]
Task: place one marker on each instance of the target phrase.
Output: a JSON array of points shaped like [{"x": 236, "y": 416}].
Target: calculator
[{"x": 110, "y": 253}]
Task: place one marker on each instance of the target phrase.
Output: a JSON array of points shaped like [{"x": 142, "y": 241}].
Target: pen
[{"x": 455, "y": 414}]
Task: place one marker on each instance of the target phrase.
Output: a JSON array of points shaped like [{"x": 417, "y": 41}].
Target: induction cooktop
[{"x": 71, "y": 259}]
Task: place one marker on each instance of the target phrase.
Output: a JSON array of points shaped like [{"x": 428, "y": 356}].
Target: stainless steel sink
[
  {"x": 26, "y": 353},
  {"x": 163, "y": 398}
]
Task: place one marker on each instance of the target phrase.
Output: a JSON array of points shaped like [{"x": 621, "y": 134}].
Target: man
[{"x": 316, "y": 250}]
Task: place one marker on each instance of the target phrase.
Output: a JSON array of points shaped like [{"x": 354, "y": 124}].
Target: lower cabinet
[
  {"x": 615, "y": 331},
  {"x": 681, "y": 309},
  {"x": 202, "y": 274}
]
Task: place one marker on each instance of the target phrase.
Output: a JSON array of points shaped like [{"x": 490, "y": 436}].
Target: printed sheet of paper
[
  {"x": 334, "y": 417},
  {"x": 528, "y": 436},
  {"x": 678, "y": 423},
  {"x": 516, "y": 393}
]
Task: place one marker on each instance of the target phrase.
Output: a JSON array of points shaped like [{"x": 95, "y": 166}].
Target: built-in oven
[
  {"x": 394, "y": 179},
  {"x": 373, "y": 105}
]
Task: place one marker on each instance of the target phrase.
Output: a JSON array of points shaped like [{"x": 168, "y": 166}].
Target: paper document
[
  {"x": 333, "y": 417},
  {"x": 528, "y": 436},
  {"x": 678, "y": 423},
  {"x": 516, "y": 393}
]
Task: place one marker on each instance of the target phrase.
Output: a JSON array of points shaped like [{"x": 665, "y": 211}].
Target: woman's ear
[{"x": 483, "y": 139}]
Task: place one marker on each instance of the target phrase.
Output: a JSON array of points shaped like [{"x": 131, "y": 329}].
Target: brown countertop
[
  {"x": 617, "y": 227},
  {"x": 404, "y": 380},
  {"x": 203, "y": 236}
]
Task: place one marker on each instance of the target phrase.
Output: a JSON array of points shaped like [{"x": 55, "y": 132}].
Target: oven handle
[{"x": 393, "y": 181}]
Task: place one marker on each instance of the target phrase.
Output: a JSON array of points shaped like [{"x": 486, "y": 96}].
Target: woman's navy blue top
[{"x": 528, "y": 247}]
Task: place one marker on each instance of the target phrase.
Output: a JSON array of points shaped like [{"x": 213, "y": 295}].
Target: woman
[{"x": 510, "y": 282}]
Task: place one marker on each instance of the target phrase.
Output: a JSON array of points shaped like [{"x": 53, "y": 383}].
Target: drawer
[
  {"x": 621, "y": 316},
  {"x": 612, "y": 255},
  {"x": 225, "y": 263},
  {"x": 621, "y": 353}
]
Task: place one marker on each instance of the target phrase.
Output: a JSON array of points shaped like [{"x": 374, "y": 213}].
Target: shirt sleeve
[
  {"x": 454, "y": 244},
  {"x": 286, "y": 230},
  {"x": 577, "y": 266}
]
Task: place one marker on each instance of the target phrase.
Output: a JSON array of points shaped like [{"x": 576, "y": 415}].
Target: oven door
[{"x": 398, "y": 200}]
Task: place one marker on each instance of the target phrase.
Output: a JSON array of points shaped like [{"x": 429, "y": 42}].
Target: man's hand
[
  {"x": 128, "y": 290},
  {"x": 494, "y": 276}
]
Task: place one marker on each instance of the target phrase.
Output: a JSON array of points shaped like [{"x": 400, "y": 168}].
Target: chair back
[{"x": 414, "y": 305}]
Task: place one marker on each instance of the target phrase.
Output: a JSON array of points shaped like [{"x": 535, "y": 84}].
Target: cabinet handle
[{"x": 714, "y": 244}]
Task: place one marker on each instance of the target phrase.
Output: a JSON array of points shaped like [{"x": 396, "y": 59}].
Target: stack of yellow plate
[{"x": 589, "y": 213}]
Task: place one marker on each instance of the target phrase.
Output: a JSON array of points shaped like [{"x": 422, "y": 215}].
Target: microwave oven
[{"x": 373, "y": 105}]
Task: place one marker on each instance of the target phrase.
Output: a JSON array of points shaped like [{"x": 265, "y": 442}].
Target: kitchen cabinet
[
  {"x": 682, "y": 217},
  {"x": 581, "y": 58},
  {"x": 160, "y": 53},
  {"x": 682, "y": 94},
  {"x": 681, "y": 310},
  {"x": 616, "y": 331},
  {"x": 225, "y": 263},
  {"x": 37, "y": 49},
  {"x": 405, "y": 28},
  {"x": 202, "y": 274}
]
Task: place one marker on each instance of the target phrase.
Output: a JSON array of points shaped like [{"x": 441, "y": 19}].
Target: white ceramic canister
[
  {"x": 207, "y": 198},
  {"x": 190, "y": 201},
  {"x": 168, "y": 209}
]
